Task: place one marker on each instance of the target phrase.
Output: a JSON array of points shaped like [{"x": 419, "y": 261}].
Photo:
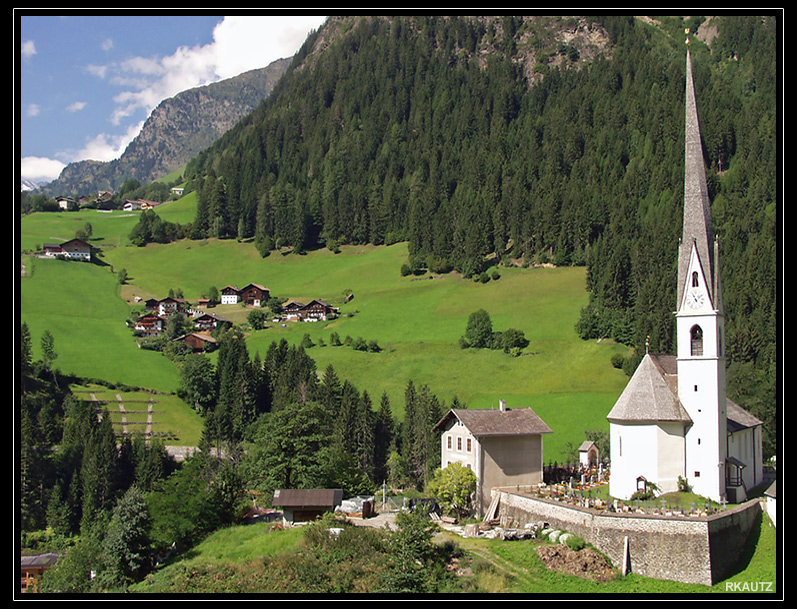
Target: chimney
[{"x": 502, "y": 405}]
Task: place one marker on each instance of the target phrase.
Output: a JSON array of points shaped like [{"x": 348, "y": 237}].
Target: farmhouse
[
  {"x": 316, "y": 310},
  {"x": 198, "y": 341},
  {"x": 230, "y": 295},
  {"x": 139, "y": 204},
  {"x": 673, "y": 423},
  {"x": 255, "y": 295},
  {"x": 503, "y": 447},
  {"x": 149, "y": 325},
  {"x": 304, "y": 505},
  {"x": 74, "y": 249},
  {"x": 207, "y": 322},
  {"x": 66, "y": 203},
  {"x": 167, "y": 306}
]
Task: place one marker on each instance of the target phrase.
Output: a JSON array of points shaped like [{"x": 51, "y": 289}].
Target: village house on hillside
[
  {"x": 253, "y": 295},
  {"x": 139, "y": 205},
  {"x": 503, "y": 447},
  {"x": 74, "y": 249},
  {"x": 315, "y": 310},
  {"x": 197, "y": 341}
]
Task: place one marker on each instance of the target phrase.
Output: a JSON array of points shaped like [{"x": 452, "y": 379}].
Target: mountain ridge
[{"x": 176, "y": 130}]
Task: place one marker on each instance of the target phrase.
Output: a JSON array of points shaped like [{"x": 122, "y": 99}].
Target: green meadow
[{"x": 416, "y": 321}]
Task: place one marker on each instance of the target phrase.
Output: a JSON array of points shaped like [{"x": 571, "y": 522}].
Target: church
[{"x": 673, "y": 424}]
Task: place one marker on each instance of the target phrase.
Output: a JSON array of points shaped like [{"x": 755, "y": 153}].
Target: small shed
[
  {"x": 304, "y": 505},
  {"x": 588, "y": 453}
]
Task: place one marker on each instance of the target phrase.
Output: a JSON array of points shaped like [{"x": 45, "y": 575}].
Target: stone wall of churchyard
[{"x": 702, "y": 550}]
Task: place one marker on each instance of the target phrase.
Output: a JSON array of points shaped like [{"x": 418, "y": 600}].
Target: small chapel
[{"x": 673, "y": 424}]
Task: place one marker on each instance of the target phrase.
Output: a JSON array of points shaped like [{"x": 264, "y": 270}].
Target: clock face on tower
[{"x": 695, "y": 299}]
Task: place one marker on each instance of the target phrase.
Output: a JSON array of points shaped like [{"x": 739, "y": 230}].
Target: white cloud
[
  {"x": 39, "y": 169},
  {"x": 28, "y": 48},
  {"x": 104, "y": 147},
  {"x": 240, "y": 43},
  {"x": 33, "y": 110},
  {"x": 76, "y": 106}
]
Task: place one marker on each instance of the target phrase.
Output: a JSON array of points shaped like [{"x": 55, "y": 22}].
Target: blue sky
[{"x": 87, "y": 83}]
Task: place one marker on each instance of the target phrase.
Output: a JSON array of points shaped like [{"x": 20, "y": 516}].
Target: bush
[{"x": 576, "y": 543}]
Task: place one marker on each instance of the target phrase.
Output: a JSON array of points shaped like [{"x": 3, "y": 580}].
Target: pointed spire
[{"x": 697, "y": 228}]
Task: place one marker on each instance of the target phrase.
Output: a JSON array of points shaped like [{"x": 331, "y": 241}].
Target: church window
[
  {"x": 697, "y": 340},
  {"x": 695, "y": 282}
]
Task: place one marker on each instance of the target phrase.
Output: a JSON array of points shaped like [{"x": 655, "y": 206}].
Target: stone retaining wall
[{"x": 701, "y": 550}]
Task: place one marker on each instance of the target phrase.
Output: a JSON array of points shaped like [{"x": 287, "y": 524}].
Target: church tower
[{"x": 700, "y": 322}]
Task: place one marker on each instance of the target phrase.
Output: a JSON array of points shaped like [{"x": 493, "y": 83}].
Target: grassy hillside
[
  {"x": 417, "y": 321},
  {"x": 235, "y": 560}
]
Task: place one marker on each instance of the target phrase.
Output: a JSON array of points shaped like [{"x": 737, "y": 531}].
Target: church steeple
[
  {"x": 698, "y": 233},
  {"x": 700, "y": 324}
]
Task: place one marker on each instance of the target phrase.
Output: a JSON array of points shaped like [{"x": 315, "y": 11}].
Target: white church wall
[{"x": 634, "y": 454}]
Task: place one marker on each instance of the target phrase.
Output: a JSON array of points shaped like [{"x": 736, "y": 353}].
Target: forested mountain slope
[{"x": 535, "y": 139}]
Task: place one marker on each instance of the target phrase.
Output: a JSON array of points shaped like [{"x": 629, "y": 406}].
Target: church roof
[
  {"x": 491, "y": 422},
  {"x": 697, "y": 225},
  {"x": 651, "y": 395},
  {"x": 738, "y": 418}
]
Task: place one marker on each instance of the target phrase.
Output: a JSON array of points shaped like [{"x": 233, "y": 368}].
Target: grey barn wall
[{"x": 699, "y": 550}]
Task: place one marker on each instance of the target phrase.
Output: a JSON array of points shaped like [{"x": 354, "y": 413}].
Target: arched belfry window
[
  {"x": 697, "y": 340},
  {"x": 695, "y": 282}
]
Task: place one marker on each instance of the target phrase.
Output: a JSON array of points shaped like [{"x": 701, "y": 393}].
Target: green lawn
[
  {"x": 173, "y": 421},
  {"x": 417, "y": 321}
]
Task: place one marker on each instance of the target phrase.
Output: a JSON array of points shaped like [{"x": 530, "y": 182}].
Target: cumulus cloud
[
  {"x": 240, "y": 43},
  {"x": 28, "y": 48},
  {"x": 40, "y": 169}
]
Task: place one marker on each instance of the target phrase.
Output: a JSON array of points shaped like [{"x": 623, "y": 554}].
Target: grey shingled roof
[
  {"x": 738, "y": 418},
  {"x": 697, "y": 225},
  {"x": 496, "y": 422},
  {"x": 649, "y": 395}
]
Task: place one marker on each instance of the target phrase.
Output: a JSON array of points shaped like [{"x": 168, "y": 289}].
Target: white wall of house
[{"x": 459, "y": 446}]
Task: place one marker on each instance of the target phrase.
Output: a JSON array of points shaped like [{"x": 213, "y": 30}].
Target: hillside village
[
  {"x": 204, "y": 324},
  {"x": 672, "y": 431}
]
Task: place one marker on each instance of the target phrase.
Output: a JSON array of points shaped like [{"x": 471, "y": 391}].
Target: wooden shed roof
[{"x": 308, "y": 498}]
